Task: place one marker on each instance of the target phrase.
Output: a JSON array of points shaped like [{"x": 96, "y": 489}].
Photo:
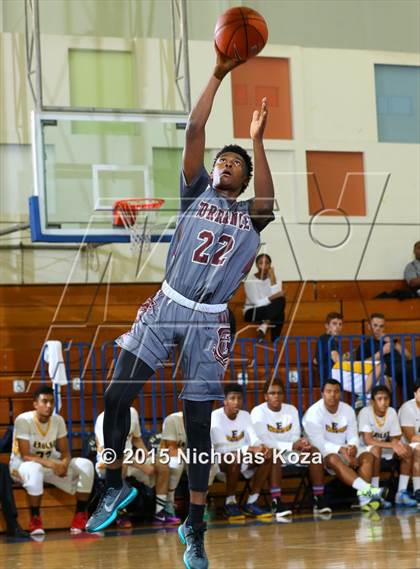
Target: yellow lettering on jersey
[
  {"x": 279, "y": 428},
  {"x": 235, "y": 437},
  {"x": 335, "y": 429}
]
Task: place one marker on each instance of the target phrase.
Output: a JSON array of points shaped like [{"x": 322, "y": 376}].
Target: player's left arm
[{"x": 262, "y": 206}]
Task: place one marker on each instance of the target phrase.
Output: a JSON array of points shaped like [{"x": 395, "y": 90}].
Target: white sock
[
  {"x": 160, "y": 502},
  {"x": 252, "y": 498},
  {"x": 263, "y": 327},
  {"x": 171, "y": 496},
  {"x": 375, "y": 481},
  {"x": 403, "y": 482},
  {"x": 416, "y": 483},
  {"x": 230, "y": 500},
  {"x": 360, "y": 484}
]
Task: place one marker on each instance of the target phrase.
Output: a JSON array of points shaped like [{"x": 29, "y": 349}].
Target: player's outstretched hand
[
  {"x": 259, "y": 120},
  {"x": 224, "y": 64}
]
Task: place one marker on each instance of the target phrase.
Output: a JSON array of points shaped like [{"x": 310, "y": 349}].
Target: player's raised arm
[
  {"x": 263, "y": 182},
  {"x": 195, "y": 138}
]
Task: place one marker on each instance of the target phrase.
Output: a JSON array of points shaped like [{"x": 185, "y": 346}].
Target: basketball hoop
[{"x": 137, "y": 216}]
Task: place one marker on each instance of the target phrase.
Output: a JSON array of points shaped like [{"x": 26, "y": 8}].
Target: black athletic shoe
[
  {"x": 417, "y": 497},
  {"x": 17, "y": 532},
  {"x": 279, "y": 509},
  {"x": 321, "y": 506}
]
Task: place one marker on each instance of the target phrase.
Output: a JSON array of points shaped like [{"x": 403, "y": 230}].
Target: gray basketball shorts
[{"x": 203, "y": 340}]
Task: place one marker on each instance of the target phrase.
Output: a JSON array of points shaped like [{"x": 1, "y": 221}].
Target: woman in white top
[{"x": 264, "y": 302}]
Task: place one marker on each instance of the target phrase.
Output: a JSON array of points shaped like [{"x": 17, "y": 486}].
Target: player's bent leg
[
  {"x": 278, "y": 507},
  {"x": 32, "y": 476},
  {"x": 376, "y": 472},
  {"x": 416, "y": 471},
  {"x": 402, "y": 497},
  {"x": 262, "y": 475},
  {"x": 316, "y": 476},
  {"x": 231, "y": 508},
  {"x": 129, "y": 377}
]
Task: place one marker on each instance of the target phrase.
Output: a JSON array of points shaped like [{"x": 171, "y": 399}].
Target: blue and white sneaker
[
  {"x": 370, "y": 498},
  {"x": 385, "y": 505},
  {"x": 114, "y": 500},
  {"x": 254, "y": 511},
  {"x": 403, "y": 499},
  {"x": 195, "y": 555},
  {"x": 233, "y": 512}
]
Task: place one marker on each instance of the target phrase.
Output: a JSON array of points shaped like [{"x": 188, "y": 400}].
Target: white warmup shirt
[
  {"x": 277, "y": 429},
  {"x": 258, "y": 291},
  {"x": 381, "y": 428},
  {"x": 42, "y": 437},
  {"x": 230, "y": 435},
  {"x": 409, "y": 416},
  {"x": 173, "y": 429},
  {"x": 330, "y": 431}
]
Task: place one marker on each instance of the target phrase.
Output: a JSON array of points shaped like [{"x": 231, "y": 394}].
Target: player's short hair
[
  {"x": 416, "y": 385},
  {"x": 380, "y": 389},
  {"x": 330, "y": 381},
  {"x": 261, "y": 255},
  {"x": 377, "y": 315},
  {"x": 332, "y": 316},
  {"x": 416, "y": 243},
  {"x": 244, "y": 154},
  {"x": 43, "y": 390},
  {"x": 270, "y": 382},
  {"x": 233, "y": 388}
]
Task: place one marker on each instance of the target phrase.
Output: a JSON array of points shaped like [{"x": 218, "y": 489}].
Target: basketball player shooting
[{"x": 214, "y": 246}]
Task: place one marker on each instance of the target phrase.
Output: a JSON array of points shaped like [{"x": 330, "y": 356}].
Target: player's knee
[
  {"x": 376, "y": 452},
  {"x": 34, "y": 479}
]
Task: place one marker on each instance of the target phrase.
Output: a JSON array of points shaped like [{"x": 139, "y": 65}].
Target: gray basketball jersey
[{"x": 214, "y": 244}]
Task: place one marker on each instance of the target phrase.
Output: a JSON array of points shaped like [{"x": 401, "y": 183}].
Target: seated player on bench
[
  {"x": 232, "y": 431},
  {"x": 277, "y": 425},
  {"x": 331, "y": 426},
  {"x": 409, "y": 416}
]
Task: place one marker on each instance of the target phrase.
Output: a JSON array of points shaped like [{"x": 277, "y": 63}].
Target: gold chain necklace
[{"x": 378, "y": 420}]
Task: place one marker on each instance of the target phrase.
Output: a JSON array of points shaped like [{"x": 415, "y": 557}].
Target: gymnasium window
[{"x": 398, "y": 103}]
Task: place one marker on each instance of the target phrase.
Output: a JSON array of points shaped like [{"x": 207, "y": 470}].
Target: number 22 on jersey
[{"x": 201, "y": 253}]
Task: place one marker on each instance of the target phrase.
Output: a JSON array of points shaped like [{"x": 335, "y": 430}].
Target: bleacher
[{"x": 87, "y": 319}]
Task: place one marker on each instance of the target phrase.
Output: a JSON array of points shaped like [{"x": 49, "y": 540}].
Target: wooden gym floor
[{"x": 387, "y": 540}]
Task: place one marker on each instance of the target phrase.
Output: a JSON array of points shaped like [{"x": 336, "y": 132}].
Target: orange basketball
[{"x": 240, "y": 33}]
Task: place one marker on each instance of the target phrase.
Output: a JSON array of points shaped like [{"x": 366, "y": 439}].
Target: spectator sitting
[
  {"x": 265, "y": 300},
  {"x": 409, "y": 416},
  {"x": 152, "y": 473},
  {"x": 412, "y": 271},
  {"x": 8, "y": 505},
  {"x": 390, "y": 351},
  {"x": 380, "y": 434},
  {"x": 277, "y": 425},
  {"x": 354, "y": 375},
  {"x": 231, "y": 431},
  {"x": 331, "y": 427},
  {"x": 40, "y": 454}
]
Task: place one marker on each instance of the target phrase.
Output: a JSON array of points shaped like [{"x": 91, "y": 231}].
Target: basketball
[{"x": 240, "y": 33}]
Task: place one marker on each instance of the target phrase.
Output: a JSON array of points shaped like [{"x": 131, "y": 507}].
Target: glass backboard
[{"x": 85, "y": 162}]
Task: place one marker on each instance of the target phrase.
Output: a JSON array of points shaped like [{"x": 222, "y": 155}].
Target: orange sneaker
[
  {"x": 79, "y": 522},
  {"x": 35, "y": 526}
]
